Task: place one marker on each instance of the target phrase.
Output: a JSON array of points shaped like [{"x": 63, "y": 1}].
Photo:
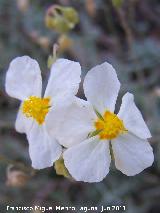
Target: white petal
[
  {"x": 101, "y": 87},
  {"x": 23, "y": 78},
  {"x": 71, "y": 124},
  {"x": 88, "y": 161},
  {"x": 19, "y": 124},
  {"x": 132, "y": 154},
  {"x": 64, "y": 80},
  {"x": 43, "y": 149},
  {"x": 23, "y": 124},
  {"x": 132, "y": 118}
]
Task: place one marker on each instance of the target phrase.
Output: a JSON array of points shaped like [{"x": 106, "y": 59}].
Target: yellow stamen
[
  {"x": 110, "y": 126},
  {"x": 36, "y": 108}
]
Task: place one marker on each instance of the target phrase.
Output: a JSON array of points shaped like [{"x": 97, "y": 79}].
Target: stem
[{"x": 55, "y": 50}]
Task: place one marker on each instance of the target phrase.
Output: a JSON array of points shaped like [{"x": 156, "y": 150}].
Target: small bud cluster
[{"x": 61, "y": 19}]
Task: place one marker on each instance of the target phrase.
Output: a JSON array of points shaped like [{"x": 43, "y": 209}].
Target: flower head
[
  {"x": 36, "y": 108},
  {"x": 89, "y": 127},
  {"x": 109, "y": 126},
  {"x": 23, "y": 81}
]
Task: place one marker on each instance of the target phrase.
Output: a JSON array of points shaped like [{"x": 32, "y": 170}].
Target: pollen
[
  {"x": 109, "y": 126},
  {"x": 36, "y": 108}
]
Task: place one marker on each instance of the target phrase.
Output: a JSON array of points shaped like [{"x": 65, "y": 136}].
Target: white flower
[
  {"x": 88, "y": 128},
  {"x": 24, "y": 82}
]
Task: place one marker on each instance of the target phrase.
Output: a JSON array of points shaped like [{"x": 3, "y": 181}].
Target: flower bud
[
  {"x": 61, "y": 169},
  {"x": 71, "y": 15},
  {"x": 61, "y": 19},
  {"x": 61, "y": 25}
]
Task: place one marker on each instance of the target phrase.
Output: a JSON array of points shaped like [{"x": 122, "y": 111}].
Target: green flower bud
[
  {"x": 61, "y": 19},
  {"x": 61, "y": 169},
  {"x": 71, "y": 15},
  {"x": 49, "y": 22},
  {"x": 61, "y": 25}
]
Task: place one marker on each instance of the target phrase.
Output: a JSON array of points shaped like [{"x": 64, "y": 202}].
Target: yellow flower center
[
  {"x": 109, "y": 126},
  {"x": 36, "y": 108}
]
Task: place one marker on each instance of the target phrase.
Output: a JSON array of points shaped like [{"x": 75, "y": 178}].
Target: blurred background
[{"x": 125, "y": 33}]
